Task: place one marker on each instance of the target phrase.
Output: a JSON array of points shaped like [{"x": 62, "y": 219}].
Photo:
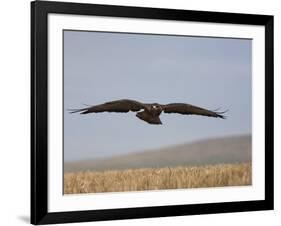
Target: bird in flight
[{"x": 148, "y": 112}]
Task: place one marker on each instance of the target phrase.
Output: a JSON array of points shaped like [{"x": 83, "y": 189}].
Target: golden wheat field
[{"x": 158, "y": 178}]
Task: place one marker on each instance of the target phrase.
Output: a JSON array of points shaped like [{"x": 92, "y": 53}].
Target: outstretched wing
[
  {"x": 188, "y": 109},
  {"x": 113, "y": 106}
]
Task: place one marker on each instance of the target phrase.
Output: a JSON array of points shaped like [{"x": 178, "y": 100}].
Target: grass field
[{"x": 159, "y": 178}]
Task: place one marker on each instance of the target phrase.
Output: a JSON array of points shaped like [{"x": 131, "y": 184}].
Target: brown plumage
[{"x": 149, "y": 112}]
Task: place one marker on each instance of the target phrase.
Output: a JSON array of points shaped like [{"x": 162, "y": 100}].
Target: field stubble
[{"x": 158, "y": 178}]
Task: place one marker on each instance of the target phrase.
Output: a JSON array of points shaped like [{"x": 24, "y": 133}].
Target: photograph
[
  {"x": 145, "y": 112},
  {"x": 140, "y": 112}
]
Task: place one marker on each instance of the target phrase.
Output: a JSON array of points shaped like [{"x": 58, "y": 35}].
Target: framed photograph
[{"x": 145, "y": 112}]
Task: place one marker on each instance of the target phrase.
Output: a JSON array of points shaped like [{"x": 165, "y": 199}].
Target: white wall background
[{"x": 15, "y": 113}]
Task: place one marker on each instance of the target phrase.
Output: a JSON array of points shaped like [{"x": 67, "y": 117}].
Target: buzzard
[{"x": 148, "y": 112}]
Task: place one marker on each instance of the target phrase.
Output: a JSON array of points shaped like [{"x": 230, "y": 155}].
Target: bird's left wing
[
  {"x": 124, "y": 106},
  {"x": 188, "y": 109}
]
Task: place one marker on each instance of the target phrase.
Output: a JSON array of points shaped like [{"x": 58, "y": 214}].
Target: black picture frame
[{"x": 39, "y": 112}]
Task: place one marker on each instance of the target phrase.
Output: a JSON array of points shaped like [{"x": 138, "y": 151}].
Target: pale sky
[{"x": 101, "y": 67}]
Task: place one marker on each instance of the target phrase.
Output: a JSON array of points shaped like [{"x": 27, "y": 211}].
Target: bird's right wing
[
  {"x": 188, "y": 109},
  {"x": 124, "y": 105}
]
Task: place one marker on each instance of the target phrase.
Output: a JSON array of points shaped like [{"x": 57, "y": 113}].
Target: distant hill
[{"x": 234, "y": 149}]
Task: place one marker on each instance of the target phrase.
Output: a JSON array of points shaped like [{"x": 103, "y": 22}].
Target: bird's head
[{"x": 156, "y": 107}]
